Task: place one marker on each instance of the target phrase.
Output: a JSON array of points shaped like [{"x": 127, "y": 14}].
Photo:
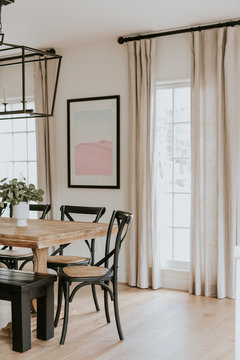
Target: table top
[{"x": 41, "y": 234}]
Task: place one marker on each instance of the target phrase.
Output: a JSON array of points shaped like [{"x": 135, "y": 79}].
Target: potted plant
[{"x": 18, "y": 194}]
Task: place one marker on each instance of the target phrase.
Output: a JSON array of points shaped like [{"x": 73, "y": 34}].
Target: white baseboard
[
  {"x": 175, "y": 279},
  {"x": 123, "y": 277},
  {"x": 172, "y": 279}
]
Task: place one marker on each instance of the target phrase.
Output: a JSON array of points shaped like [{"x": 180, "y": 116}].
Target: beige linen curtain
[
  {"x": 45, "y": 129},
  {"x": 215, "y": 160},
  {"x": 144, "y": 252}
]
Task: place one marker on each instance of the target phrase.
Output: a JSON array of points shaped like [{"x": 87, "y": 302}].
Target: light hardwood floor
[{"x": 157, "y": 324}]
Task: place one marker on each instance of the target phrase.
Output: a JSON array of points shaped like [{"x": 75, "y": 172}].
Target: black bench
[{"x": 20, "y": 287}]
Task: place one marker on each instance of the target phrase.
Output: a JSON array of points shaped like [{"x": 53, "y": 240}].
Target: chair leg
[
  {"x": 95, "y": 297},
  {"x": 106, "y": 305},
  {"x": 66, "y": 311},
  {"x": 116, "y": 311},
  {"x": 93, "y": 286},
  {"x": 59, "y": 304}
]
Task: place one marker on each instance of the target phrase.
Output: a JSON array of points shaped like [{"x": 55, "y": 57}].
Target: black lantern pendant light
[{"x": 27, "y": 76}]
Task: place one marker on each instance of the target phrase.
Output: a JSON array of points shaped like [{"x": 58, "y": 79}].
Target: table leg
[
  {"x": 39, "y": 265},
  {"x": 40, "y": 260}
]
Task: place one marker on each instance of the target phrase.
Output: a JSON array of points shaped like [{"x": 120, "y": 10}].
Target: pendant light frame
[{"x": 22, "y": 56}]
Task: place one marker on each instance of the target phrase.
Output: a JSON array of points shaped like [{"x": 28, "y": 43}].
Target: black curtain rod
[{"x": 122, "y": 40}]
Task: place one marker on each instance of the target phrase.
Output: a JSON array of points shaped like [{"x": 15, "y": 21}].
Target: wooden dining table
[{"x": 40, "y": 235}]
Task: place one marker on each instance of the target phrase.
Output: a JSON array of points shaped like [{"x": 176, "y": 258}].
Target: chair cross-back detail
[
  {"x": 100, "y": 273},
  {"x": 58, "y": 259},
  {"x": 11, "y": 257},
  {"x": 43, "y": 208}
]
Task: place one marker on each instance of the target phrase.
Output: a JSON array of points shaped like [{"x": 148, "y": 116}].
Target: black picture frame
[{"x": 93, "y": 142}]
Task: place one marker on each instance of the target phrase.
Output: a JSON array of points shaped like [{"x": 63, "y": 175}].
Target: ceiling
[{"x": 62, "y": 23}]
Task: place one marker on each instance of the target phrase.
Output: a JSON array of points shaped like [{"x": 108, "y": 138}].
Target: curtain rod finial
[{"x": 120, "y": 40}]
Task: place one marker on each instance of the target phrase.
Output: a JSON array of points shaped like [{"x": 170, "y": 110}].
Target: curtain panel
[
  {"x": 45, "y": 131},
  {"x": 215, "y": 160},
  {"x": 144, "y": 251}
]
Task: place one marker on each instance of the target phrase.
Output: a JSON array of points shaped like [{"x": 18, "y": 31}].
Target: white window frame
[
  {"x": 172, "y": 264},
  {"x": 13, "y": 102}
]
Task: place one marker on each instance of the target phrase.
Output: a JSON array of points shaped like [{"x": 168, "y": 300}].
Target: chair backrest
[
  {"x": 67, "y": 210},
  {"x": 122, "y": 220},
  {"x": 44, "y": 208}
]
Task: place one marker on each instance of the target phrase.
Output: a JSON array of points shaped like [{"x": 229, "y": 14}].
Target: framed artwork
[{"x": 94, "y": 142}]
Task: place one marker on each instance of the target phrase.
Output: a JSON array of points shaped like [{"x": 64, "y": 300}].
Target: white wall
[
  {"x": 173, "y": 57},
  {"x": 101, "y": 70},
  {"x": 88, "y": 71}
]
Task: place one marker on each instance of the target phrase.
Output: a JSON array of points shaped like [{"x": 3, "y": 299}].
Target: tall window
[
  {"x": 18, "y": 144},
  {"x": 18, "y": 157},
  {"x": 174, "y": 130}
]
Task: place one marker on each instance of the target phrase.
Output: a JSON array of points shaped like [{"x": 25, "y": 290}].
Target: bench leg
[
  {"x": 21, "y": 323},
  {"x": 45, "y": 315}
]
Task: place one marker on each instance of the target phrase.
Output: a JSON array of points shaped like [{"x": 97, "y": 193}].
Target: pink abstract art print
[
  {"x": 93, "y": 158},
  {"x": 93, "y": 149}
]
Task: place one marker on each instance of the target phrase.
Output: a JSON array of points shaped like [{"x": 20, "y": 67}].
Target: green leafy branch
[{"x": 15, "y": 191}]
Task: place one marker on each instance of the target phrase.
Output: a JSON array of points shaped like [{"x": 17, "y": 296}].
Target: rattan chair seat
[
  {"x": 15, "y": 253},
  {"x": 66, "y": 259},
  {"x": 84, "y": 271}
]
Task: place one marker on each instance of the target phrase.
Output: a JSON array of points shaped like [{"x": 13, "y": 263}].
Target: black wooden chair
[
  {"x": 11, "y": 257},
  {"x": 42, "y": 208},
  {"x": 97, "y": 274},
  {"x": 58, "y": 260}
]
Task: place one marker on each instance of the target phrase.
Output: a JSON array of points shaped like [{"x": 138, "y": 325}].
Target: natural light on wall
[{"x": 174, "y": 133}]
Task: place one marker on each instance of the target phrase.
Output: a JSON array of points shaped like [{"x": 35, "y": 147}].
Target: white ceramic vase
[{"x": 21, "y": 213}]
